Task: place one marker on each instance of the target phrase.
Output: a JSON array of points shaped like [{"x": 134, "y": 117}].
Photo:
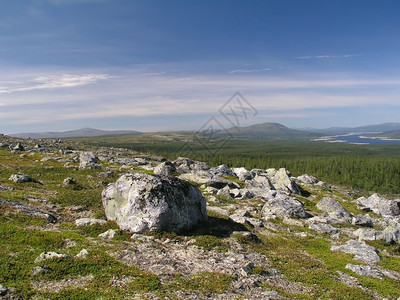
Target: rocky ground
[{"x": 268, "y": 235}]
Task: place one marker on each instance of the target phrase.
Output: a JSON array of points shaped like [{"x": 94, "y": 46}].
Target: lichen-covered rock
[
  {"x": 281, "y": 181},
  {"x": 361, "y": 251},
  {"x": 323, "y": 228},
  {"x": 88, "y": 160},
  {"x": 280, "y": 205},
  {"x": 334, "y": 209},
  {"x": 49, "y": 255},
  {"x": 311, "y": 181},
  {"x": 140, "y": 202},
  {"x": 21, "y": 178},
  {"x": 242, "y": 174},
  {"x": 165, "y": 168},
  {"x": 380, "y": 205},
  {"x": 365, "y": 271}
]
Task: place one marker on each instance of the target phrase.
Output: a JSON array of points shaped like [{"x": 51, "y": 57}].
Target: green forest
[{"x": 367, "y": 168}]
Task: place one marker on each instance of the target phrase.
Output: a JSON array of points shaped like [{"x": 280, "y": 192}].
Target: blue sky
[{"x": 171, "y": 64}]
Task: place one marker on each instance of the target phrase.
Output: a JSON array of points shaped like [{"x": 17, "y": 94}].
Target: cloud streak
[
  {"x": 328, "y": 56},
  {"x": 249, "y": 70},
  {"x": 45, "y": 82}
]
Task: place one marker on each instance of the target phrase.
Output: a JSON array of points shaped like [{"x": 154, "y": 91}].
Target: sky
[{"x": 173, "y": 64}]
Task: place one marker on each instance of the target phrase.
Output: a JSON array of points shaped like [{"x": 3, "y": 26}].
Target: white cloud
[{"x": 44, "y": 82}]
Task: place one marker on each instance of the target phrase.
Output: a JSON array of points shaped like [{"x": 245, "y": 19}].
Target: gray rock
[
  {"x": 366, "y": 271},
  {"x": 69, "y": 181},
  {"x": 18, "y": 147},
  {"x": 281, "y": 180},
  {"x": 204, "y": 177},
  {"x": 38, "y": 270},
  {"x": 140, "y": 202},
  {"x": 362, "y": 220},
  {"x": 3, "y": 290},
  {"x": 184, "y": 165},
  {"x": 222, "y": 170},
  {"x": 280, "y": 205},
  {"x": 21, "y": 178},
  {"x": 108, "y": 235},
  {"x": 165, "y": 168},
  {"x": 380, "y": 205},
  {"x": 49, "y": 255},
  {"x": 83, "y": 253},
  {"x": 361, "y": 251},
  {"x": 242, "y": 174},
  {"x": 88, "y": 160},
  {"x": 107, "y": 174},
  {"x": 323, "y": 228},
  {"x": 89, "y": 221},
  {"x": 334, "y": 209},
  {"x": 311, "y": 181}
]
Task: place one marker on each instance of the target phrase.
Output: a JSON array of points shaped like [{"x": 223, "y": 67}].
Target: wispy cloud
[
  {"x": 44, "y": 82},
  {"x": 249, "y": 70},
  {"x": 328, "y": 56}
]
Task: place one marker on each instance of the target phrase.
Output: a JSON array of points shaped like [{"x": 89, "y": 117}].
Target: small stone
[
  {"x": 3, "y": 290},
  {"x": 38, "y": 270},
  {"x": 82, "y": 254},
  {"x": 323, "y": 228},
  {"x": 20, "y": 178},
  {"x": 108, "y": 235},
  {"x": 49, "y": 255},
  {"x": 89, "y": 221},
  {"x": 69, "y": 181}
]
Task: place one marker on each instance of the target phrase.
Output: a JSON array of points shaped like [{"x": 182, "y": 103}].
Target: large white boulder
[{"x": 140, "y": 203}]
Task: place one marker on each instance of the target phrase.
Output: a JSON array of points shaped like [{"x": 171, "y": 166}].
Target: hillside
[
  {"x": 393, "y": 134},
  {"x": 267, "y": 236},
  {"x": 268, "y": 131}
]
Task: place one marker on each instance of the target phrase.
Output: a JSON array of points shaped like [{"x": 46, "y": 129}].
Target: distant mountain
[
  {"x": 268, "y": 131},
  {"x": 368, "y": 128},
  {"x": 84, "y": 132}
]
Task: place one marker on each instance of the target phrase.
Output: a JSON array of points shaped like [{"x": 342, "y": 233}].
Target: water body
[{"x": 358, "y": 138}]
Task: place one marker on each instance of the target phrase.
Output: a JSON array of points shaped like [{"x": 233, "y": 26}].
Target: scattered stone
[
  {"x": 204, "y": 177},
  {"x": 223, "y": 170},
  {"x": 362, "y": 220},
  {"x": 380, "y": 205},
  {"x": 69, "y": 181},
  {"x": 49, "y": 255},
  {"x": 21, "y": 178},
  {"x": 361, "y": 251},
  {"x": 140, "y": 202},
  {"x": 281, "y": 180},
  {"x": 165, "y": 168},
  {"x": 89, "y": 221},
  {"x": 334, "y": 210},
  {"x": 38, "y": 270},
  {"x": 18, "y": 147},
  {"x": 108, "y": 235},
  {"x": 311, "y": 181},
  {"x": 88, "y": 160},
  {"x": 3, "y": 290},
  {"x": 280, "y": 205},
  {"x": 323, "y": 228},
  {"x": 107, "y": 174},
  {"x": 83, "y": 253},
  {"x": 242, "y": 174},
  {"x": 30, "y": 210},
  {"x": 366, "y": 271}
]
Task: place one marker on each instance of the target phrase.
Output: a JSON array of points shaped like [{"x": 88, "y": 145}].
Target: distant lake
[{"x": 358, "y": 138}]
